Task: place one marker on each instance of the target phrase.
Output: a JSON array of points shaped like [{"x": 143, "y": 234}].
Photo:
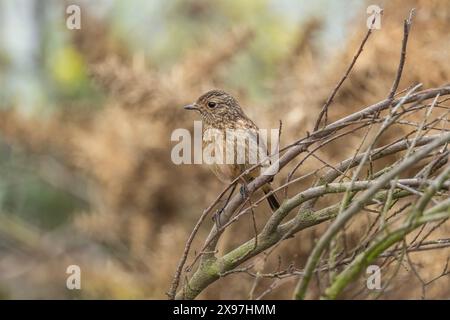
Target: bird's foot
[
  {"x": 216, "y": 217},
  {"x": 244, "y": 191}
]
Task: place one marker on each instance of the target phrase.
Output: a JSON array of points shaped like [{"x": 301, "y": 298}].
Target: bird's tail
[{"x": 271, "y": 198}]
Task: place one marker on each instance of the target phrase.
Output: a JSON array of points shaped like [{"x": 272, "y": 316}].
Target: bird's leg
[
  {"x": 244, "y": 190},
  {"x": 216, "y": 216}
]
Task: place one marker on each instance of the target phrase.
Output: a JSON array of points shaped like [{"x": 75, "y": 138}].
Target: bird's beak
[{"x": 191, "y": 107}]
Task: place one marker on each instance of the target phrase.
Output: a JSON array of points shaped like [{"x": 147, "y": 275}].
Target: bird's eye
[{"x": 212, "y": 104}]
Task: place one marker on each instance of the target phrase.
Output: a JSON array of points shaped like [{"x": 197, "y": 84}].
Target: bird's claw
[
  {"x": 244, "y": 191},
  {"x": 216, "y": 216}
]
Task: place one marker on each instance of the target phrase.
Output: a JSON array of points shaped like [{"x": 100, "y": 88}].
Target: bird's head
[{"x": 217, "y": 106}]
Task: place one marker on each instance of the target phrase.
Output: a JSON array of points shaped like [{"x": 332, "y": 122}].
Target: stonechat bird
[{"x": 222, "y": 114}]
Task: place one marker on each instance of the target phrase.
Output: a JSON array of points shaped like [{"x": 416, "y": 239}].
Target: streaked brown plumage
[{"x": 221, "y": 112}]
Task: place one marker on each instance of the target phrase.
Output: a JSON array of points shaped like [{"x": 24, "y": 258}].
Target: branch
[
  {"x": 324, "y": 110},
  {"x": 356, "y": 206}
]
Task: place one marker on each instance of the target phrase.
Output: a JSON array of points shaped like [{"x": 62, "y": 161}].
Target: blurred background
[{"x": 86, "y": 116}]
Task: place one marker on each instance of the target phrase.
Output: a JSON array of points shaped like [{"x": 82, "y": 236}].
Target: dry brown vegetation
[{"x": 142, "y": 207}]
